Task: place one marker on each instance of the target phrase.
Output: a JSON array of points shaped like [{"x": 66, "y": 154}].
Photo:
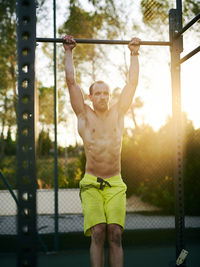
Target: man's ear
[{"x": 90, "y": 97}]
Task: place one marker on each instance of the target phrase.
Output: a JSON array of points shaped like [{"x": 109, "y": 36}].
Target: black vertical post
[
  {"x": 175, "y": 25},
  {"x": 26, "y": 173},
  {"x": 55, "y": 138},
  {"x": 179, "y": 14}
]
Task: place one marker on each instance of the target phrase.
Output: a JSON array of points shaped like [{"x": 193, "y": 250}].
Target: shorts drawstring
[{"x": 102, "y": 182}]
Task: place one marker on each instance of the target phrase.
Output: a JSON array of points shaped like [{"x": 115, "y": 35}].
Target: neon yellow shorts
[{"x": 103, "y": 201}]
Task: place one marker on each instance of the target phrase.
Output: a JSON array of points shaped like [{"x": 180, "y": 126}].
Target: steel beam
[
  {"x": 189, "y": 55},
  {"x": 176, "y": 49},
  {"x": 26, "y": 165},
  {"x": 96, "y": 41},
  {"x": 56, "y": 210},
  {"x": 188, "y": 25}
]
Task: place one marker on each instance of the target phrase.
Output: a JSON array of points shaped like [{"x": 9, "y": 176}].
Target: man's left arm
[{"x": 128, "y": 92}]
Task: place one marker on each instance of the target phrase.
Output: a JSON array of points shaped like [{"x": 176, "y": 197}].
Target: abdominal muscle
[
  {"x": 102, "y": 144},
  {"x": 103, "y": 158}
]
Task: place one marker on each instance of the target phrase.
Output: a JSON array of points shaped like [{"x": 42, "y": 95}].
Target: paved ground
[
  {"x": 150, "y": 254},
  {"x": 133, "y": 257}
]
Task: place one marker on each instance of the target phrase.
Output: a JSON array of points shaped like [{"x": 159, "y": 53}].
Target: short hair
[{"x": 92, "y": 85}]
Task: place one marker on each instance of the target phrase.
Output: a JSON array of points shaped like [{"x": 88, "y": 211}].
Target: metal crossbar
[
  {"x": 189, "y": 55},
  {"x": 96, "y": 41},
  {"x": 187, "y": 26}
]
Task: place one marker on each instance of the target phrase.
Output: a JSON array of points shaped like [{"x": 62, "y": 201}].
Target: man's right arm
[{"x": 76, "y": 96}]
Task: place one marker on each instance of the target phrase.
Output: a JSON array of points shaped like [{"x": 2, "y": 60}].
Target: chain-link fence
[{"x": 147, "y": 169}]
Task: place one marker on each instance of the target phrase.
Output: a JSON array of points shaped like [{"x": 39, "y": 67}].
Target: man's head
[{"x": 100, "y": 95}]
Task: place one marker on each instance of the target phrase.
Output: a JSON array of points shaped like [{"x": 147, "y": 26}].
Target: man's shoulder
[
  {"x": 85, "y": 113},
  {"x": 116, "y": 109}
]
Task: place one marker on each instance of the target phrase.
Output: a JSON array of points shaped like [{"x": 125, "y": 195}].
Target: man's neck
[{"x": 101, "y": 114}]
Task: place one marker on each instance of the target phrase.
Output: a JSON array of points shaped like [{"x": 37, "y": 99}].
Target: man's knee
[
  {"x": 114, "y": 235},
  {"x": 98, "y": 233}
]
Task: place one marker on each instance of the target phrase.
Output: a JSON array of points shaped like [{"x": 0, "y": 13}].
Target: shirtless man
[{"x": 102, "y": 190}]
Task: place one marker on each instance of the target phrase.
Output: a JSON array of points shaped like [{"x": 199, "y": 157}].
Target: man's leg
[
  {"x": 115, "y": 245},
  {"x": 97, "y": 254}
]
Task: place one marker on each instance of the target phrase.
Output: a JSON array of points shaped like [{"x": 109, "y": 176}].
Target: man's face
[{"x": 100, "y": 96}]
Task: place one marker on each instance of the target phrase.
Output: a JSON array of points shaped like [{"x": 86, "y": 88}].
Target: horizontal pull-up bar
[
  {"x": 188, "y": 25},
  {"x": 95, "y": 41},
  {"x": 189, "y": 55}
]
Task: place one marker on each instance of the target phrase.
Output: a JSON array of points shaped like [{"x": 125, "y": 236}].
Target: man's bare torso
[{"x": 102, "y": 137}]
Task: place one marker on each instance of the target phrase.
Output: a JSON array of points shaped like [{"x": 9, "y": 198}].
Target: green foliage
[
  {"x": 46, "y": 105},
  {"x": 7, "y": 146},
  {"x": 10, "y": 145},
  {"x": 8, "y": 43},
  {"x": 8, "y": 93},
  {"x": 71, "y": 164},
  {"x": 191, "y": 8},
  {"x": 90, "y": 24},
  {"x": 192, "y": 173},
  {"x": 103, "y": 15},
  {"x": 147, "y": 166},
  {"x": 156, "y": 11},
  {"x": 69, "y": 172},
  {"x": 101, "y": 21},
  {"x": 9, "y": 170},
  {"x": 44, "y": 145},
  {"x": 45, "y": 172}
]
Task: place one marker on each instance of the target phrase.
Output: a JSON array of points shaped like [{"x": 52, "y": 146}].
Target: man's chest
[{"x": 109, "y": 127}]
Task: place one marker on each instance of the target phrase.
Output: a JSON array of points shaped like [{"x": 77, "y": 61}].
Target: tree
[
  {"x": 8, "y": 69},
  {"x": 156, "y": 11},
  {"x": 10, "y": 145},
  {"x": 44, "y": 144},
  {"x": 8, "y": 93},
  {"x": 46, "y": 106},
  {"x": 91, "y": 25},
  {"x": 7, "y": 117},
  {"x": 8, "y": 47}
]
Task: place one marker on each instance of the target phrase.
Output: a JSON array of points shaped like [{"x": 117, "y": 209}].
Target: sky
[{"x": 154, "y": 86}]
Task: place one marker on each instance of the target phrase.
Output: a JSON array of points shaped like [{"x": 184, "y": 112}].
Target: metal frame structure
[
  {"x": 56, "y": 208},
  {"x": 176, "y": 48},
  {"x": 26, "y": 43},
  {"x": 176, "y": 39},
  {"x": 26, "y": 173}
]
